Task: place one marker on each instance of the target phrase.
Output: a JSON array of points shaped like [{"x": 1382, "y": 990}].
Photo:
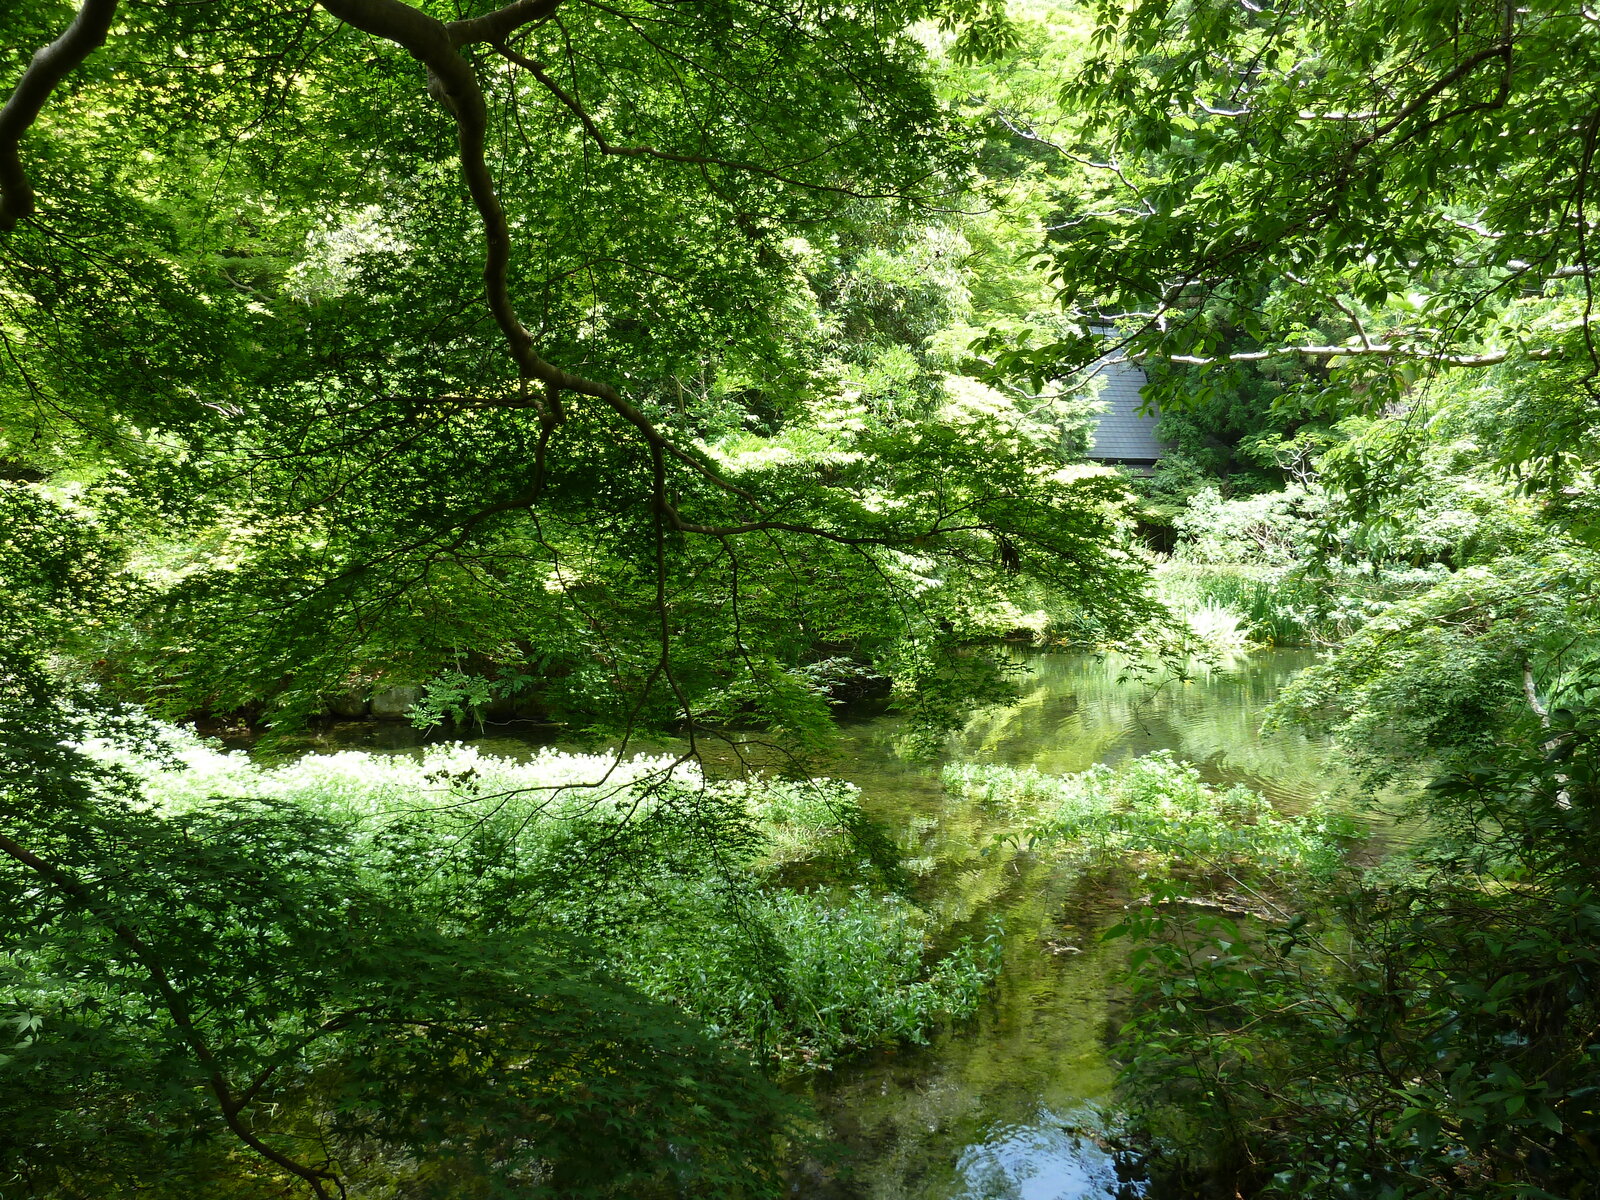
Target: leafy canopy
[
  {"x": 1381, "y": 188},
  {"x": 516, "y": 364}
]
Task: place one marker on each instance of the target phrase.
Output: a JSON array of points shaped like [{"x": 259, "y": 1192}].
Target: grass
[{"x": 1267, "y": 606}]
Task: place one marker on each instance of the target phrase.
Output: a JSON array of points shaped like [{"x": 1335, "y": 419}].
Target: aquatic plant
[
  {"x": 1270, "y": 605},
  {"x": 1421, "y": 1029},
  {"x": 806, "y": 976},
  {"x": 767, "y": 909},
  {"x": 1158, "y": 816}
]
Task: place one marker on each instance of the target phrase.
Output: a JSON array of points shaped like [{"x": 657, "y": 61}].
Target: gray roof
[{"x": 1123, "y": 431}]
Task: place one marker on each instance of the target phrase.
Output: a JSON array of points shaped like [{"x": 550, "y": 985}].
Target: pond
[{"x": 1010, "y": 1105}]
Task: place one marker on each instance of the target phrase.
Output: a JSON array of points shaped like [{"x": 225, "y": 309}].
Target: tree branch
[
  {"x": 454, "y": 84},
  {"x": 1532, "y": 693},
  {"x": 1361, "y": 330},
  {"x": 1500, "y": 50},
  {"x": 536, "y": 69},
  {"x": 177, "y": 1009},
  {"x": 1307, "y": 114},
  {"x": 50, "y": 65},
  {"x": 495, "y": 27},
  {"x": 1371, "y": 350}
]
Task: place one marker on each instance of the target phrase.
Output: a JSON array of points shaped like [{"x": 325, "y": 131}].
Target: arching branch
[
  {"x": 454, "y": 83},
  {"x": 1501, "y": 50},
  {"x": 50, "y": 65},
  {"x": 230, "y": 1105},
  {"x": 495, "y": 27}
]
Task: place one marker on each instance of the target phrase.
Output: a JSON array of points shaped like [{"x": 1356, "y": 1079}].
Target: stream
[{"x": 1006, "y": 1105}]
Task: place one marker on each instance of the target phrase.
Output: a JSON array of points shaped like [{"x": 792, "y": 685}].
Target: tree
[
  {"x": 240, "y": 1000},
  {"x": 376, "y": 343},
  {"x": 1413, "y": 179},
  {"x": 1393, "y": 199},
  {"x": 1387, "y": 203},
  {"x": 290, "y": 368}
]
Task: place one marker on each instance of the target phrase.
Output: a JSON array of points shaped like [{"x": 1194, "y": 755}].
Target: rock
[
  {"x": 392, "y": 704},
  {"x": 349, "y": 706}
]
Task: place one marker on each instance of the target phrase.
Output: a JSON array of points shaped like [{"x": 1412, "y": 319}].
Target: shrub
[
  {"x": 767, "y": 909},
  {"x": 1270, "y": 606},
  {"x": 228, "y": 998},
  {"x": 1423, "y": 1030}
]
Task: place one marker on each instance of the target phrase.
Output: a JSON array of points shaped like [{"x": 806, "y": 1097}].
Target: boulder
[
  {"x": 349, "y": 706},
  {"x": 392, "y": 704}
]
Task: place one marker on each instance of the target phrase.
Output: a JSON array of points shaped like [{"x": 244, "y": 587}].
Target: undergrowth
[
  {"x": 771, "y": 911},
  {"x": 1155, "y": 816}
]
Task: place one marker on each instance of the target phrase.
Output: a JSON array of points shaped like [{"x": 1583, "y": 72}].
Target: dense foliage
[
  {"x": 242, "y": 995},
  {"x": 344, "y": 458},
  {"x": 1384, "y": 208},
  {"x": 648, "y": 367},
  {"x": 578, "y": 361},
  {"x": 1154, "y": 816},
  {"x": 1423, "y": 1029},
  {"x": 770, "y": 910}
]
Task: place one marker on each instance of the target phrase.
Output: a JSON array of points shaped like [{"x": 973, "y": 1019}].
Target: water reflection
[
  {"x": 1005, "y": 1106},
  {"x": 1042, "y": 1160},
  {"x": 1076, "y": 710}
]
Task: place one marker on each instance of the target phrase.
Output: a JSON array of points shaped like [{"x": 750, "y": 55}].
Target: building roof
[{"x": 1123, "y": 434}]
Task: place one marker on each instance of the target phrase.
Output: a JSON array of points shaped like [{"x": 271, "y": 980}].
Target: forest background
[{"x": 688, "y": 368}]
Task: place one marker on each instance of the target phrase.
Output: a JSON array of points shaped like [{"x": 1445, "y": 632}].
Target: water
[{"x": 1013, "y": 1104}]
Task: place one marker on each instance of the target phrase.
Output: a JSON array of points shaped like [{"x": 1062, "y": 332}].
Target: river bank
[{"x": 1012, "y": 1102}]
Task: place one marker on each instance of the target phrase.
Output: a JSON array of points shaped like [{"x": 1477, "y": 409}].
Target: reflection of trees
[
  {"x": 1076, "y": 710},
  {"x": 990, "y": 1180},
  {"x": 1038, "y": 1044},
  {"x": 935, "y": 1123},
  {"x": 1002, "y": 1169}
]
